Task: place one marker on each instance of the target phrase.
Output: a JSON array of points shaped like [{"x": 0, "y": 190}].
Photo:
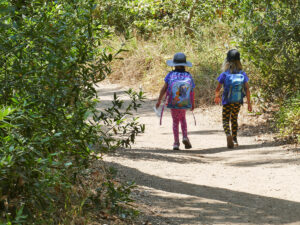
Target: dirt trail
[{"x": 257, "y": 183}]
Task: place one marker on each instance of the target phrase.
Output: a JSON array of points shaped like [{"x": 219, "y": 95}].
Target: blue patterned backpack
[
  {"x": 179, "y": 94},
  {"x": 234, "y": 87}
]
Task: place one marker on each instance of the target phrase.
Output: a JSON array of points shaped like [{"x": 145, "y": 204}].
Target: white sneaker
[
  {"x": 235, "y": 142},
  {"x": 175, "y": 147}
]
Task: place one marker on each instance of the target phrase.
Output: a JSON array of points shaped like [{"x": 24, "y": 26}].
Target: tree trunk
[{"x": 189, "y": 30}]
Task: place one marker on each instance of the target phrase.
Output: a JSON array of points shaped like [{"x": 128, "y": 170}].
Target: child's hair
[
  {"x": 180, "y": 67},
  {"x": 232, "y": 62},
  {"x": 233, "y": 66}
]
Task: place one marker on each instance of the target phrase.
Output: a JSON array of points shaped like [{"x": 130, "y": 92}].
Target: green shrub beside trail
[
  {"x": 268, "y": 33},
  {"x": 269, "y": 37},
  {"x": 50, "y": 59},
  {"x": 288, "y": 118}
]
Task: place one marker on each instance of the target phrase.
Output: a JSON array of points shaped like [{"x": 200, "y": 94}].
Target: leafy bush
[
  {"x": 51, "y": 58},
  {"x": 114, "y": 195},
  {"x": 267, "y": 32},
  {"x": 148, "y": 17},
  {"x": 288, "y": 118}
]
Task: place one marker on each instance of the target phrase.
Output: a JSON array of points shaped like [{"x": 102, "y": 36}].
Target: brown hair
[
  {"x": 233, "y": 66},
  {"x": 179, "y": 68}
]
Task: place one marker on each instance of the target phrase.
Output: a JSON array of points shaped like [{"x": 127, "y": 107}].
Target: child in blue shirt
[{"x": 232, "y": 65}]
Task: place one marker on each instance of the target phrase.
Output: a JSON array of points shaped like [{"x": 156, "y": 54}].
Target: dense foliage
[
  {"x": 52, "y": 54},
  {"x": 51, "y": 57},
  {"x": 266, "y": 33},
  {"x": 269, "y": 34}
]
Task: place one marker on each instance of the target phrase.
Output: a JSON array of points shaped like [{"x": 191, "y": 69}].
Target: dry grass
[
  {"x": 93, "y": 209},
  {"x": 144, "y": 64}
]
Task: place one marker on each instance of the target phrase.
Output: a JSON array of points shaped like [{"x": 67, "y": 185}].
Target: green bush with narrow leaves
[{"x": 50, "y": 59}]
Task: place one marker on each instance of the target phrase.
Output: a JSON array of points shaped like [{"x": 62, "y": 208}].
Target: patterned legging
[
  {"x": 231, "y": 112},
  {"x": 178, "y": 116}
]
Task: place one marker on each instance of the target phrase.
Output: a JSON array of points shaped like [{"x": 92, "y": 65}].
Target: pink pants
[{"x": 178, "y": 115}]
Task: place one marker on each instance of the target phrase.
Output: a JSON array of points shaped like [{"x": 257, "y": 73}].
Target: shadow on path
[
  {"x": 215, "y": 205},
  {"x": 199, "y": 156},
  {"x": 274, "y": 162},
  {"x": 204, "y": 151},
  {"x": 251, "y": 130},
  {"x": 159, "y": 155},
  {"x": 200, "y": 132}
]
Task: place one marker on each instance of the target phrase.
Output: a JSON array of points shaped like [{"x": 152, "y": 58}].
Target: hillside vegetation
[
  {"x": 144, "y": 62},
  {"x": 264, "y": 32}
]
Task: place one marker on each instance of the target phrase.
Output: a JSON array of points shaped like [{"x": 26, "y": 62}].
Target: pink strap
[{"x": 162, "y": 110}]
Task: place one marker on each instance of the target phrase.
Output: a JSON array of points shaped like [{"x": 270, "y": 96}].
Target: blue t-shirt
[{"x": 222, "y": 78}]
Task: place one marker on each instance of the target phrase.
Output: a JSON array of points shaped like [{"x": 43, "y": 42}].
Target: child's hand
[
  {"x": 250, "y": 107},
  {"x": 157, "y": 104},
  {"x": 217, "y": 99}
]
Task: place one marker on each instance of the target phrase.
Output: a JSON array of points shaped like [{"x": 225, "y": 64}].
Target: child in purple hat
[{"x": 179, "y": 89}]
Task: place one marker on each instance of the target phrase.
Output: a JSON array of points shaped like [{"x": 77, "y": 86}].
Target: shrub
[
  {"x": 288, "y": 118},
  {"x": 51, "y": 58},
  {"x": 267, "y": 32}
]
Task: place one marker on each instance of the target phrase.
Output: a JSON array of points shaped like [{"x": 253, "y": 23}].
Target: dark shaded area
[
  {"x": 148, "y": 153},
  {"x": 274, "y": 162},
  {"x": 160, "y": 155},
  {"x": 251, "y": 130},
  {"x": 201, "y": 155},
  {"x": 200, "y": 132},
  {"x": 232, "y": 207}
]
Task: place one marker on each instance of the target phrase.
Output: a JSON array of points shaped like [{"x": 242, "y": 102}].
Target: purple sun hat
[{"x": 179, "y": 59}]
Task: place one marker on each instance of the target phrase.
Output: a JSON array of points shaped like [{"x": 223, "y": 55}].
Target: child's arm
[
  {"x": 248, "y": 97},
  {"x": 217, "y": 94},
  {"x": 161, "y": 94}
]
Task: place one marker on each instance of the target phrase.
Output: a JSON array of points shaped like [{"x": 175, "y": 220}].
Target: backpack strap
[{"x": 194, "y": 118}]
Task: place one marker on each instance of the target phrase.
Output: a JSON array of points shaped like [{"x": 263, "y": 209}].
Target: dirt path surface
[{"x": 256, "y": 183}]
